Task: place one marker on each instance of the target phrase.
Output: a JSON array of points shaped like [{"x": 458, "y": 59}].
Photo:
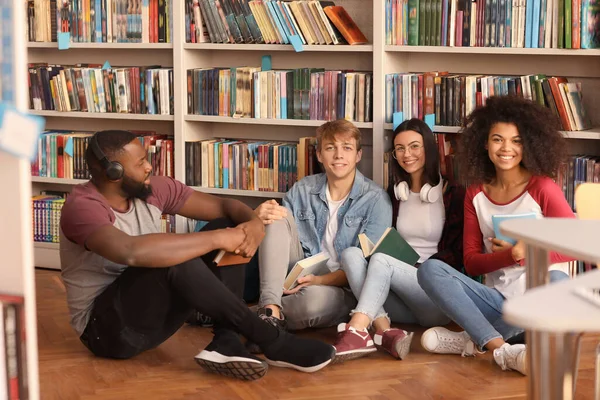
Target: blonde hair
[{"x": 328, "y": 130}]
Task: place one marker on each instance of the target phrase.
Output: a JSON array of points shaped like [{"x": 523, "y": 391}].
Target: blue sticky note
[
  {"x": 297, "y": 43},
  {"x": 397, "y": 119},
  {"x": 64, "y": 40},
  {"x": 19, "y": 131},
  {"x": 430, "y": 120},
  {"x": 106, "y": 65},
  {"x": 266, "y": 63},
  {"x": 69, "y": 146}
]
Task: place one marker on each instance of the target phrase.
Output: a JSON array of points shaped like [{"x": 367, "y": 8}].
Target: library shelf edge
[
  {"x": 59, "y": 181},
  {"x": 46, "y": 255},
  {"x": 237, "y": 192},
  {"x": 491, "y": 50},
  {"x": 108, "y": 46},
  {"x": 592, "y": 134},
  {"x": 365, "y": 48},
  {"x": 78, "y": 114},
  {"x": 266, "y": 121}
]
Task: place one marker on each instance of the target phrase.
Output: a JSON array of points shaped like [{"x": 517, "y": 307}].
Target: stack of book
[
  {"x": 270, "y": 21},
  {"x": 563, "y": 24},
  {"x": 101, "y": 21},
  {"x": 91, "y": 88},
  {"x": 453, "y": 97},
  {"x": 304, "y": 93}
]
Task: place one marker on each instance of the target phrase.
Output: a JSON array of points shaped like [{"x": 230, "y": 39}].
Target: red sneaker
[
  {"x": 394, "y": 341},
  {"x": 352, "y": 343}
]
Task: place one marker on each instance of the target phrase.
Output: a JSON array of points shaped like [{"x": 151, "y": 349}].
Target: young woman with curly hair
[
  {"x": 428, "y": 213},
  {"x": 510, "y": 148}
]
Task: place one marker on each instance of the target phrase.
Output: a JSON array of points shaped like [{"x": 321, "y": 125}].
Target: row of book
[
  {"x": 304, "y": 93},
  {"x": 61, "y": 154},
  {"x": 270, "y": 21},
  {"x": 100, "y": 21},
  {"x": 249, "y": 165},
  {"x": 577, "y": 170},
  {"x": 453, "y": 97},
  {"x": 13, "y": 353},
  {"x": 92, "y": 88},
  {"x": 569, "y": 24}
]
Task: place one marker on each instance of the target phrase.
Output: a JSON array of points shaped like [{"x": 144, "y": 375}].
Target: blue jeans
[
  {"x": 475, "y": 307},
  {"x": 387, "y": 284}
]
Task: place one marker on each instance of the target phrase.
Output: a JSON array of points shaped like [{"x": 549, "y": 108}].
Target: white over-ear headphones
[{"x": 428, "y": 193}]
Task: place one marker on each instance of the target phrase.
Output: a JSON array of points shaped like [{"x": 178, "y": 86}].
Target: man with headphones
[{"x": 130, "y": 287}]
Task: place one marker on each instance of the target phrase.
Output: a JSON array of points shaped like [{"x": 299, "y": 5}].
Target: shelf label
[
  {"x": 19, "y": 132},
  {"x": 297, "y": 43},
  {"x": 397, "y": 119},
  {"x": 69, "y": 146},
  {"x": 106, "y": 65},
  {"x": 266, "y": 63},
  {"x": 64, "y": 40},
  {"x": 430, "y": 121}
]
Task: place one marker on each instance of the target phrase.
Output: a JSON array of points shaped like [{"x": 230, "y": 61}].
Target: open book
[
  {"x": 390, "y": 243},
  {"x": 315, "y": 265},
  {"x": 224, "y": 258},
  {"x": 496, "y": 219}
]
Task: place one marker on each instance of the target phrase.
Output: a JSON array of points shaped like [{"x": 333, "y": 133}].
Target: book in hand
[
  {"x": 225, "y": 258},
  {"x": 497, "y": 219},
  {"x": 390, "y": 243},
  {"x": 314, "y": 265}
]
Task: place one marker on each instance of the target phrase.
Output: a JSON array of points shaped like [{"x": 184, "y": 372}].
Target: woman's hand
[
  {"x": 517, "y": 251},
  {"x": 304, "y": 281}
]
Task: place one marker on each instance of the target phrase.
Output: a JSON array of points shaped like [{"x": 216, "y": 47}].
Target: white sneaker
[
  {"x": 511, "y": 357},
  {"x": 443, "y": 341}
]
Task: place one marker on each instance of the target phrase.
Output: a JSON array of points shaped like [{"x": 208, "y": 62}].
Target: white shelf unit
[
  {"x": 75, "y": 114},
  {"x": 577, "y": 65},
  {"x": 16, "y": 241}
]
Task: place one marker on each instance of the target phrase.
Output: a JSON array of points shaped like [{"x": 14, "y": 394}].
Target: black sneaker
[
  {"x": 306, "y": 355},
  {"x": 226, "y": 355},
  {"x": 199, "y": 319},
  {"x": 266, "y": 314}
]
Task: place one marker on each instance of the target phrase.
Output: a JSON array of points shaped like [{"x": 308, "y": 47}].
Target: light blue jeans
[
  {"x": 387, "y": 284},
  {"x": 475, "y": 307}
]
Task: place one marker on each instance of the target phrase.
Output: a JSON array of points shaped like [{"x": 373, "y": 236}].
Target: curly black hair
[{"x": 544, "y": 147}]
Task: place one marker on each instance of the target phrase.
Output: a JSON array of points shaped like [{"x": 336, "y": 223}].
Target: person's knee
[
  {"x": 351, "y": 258},
  {"x": 306, "y": 306},
  {"x": 557, "y": 276},
  {"x": 428, "y": 271}
]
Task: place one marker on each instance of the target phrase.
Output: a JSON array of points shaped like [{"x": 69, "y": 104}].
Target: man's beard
[{"x": 135, "y": 189}]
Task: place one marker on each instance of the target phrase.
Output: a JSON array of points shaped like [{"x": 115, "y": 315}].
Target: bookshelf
[
  {"x": 16, "y": 243},
  {"x": 577, "y": 65}
]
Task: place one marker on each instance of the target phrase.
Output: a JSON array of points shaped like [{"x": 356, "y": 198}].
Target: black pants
[{"x": 143, "y": 307}]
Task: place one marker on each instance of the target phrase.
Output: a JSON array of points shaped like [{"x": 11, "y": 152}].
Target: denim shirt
[{"x": 367, "y": 209}]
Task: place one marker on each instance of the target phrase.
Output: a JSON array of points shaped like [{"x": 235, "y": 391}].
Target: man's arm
[
  {"x": 205, "y": 207},
  {"x": 159, "y": 249}
]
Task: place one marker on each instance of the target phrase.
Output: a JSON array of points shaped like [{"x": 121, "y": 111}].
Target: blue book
[{"x": 497, "y": 219}]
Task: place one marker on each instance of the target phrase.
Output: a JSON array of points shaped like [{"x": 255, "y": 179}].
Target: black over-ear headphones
[{"x": 114, "y": 170}]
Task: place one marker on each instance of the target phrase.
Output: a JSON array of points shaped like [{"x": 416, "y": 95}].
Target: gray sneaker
[
  {"x": 266, "y": 314},
  {"x": 443, "y": 341}
]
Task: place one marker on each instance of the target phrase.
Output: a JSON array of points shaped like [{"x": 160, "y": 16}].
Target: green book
[{"x": 390, "y": 243}]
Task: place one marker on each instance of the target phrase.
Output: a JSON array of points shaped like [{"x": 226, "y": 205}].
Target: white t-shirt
[
  {"x": 421, "y": 224},
  {"x": 331, "y": 230}
]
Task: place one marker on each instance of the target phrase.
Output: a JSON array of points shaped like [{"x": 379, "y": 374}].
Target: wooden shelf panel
[
  {"x": 77, "y": 114},
  {"x": 61, "y": 181},
  {"x": 266, "y": 121},
  {"x": 107, "y": 46},
  {"x": 491, "y": 50},
  {"x": 236, "y": 192},
  {"x": 367, "y": 48}
]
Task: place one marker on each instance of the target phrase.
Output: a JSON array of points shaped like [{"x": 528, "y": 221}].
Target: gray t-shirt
[{"x": 86, "y": 274}]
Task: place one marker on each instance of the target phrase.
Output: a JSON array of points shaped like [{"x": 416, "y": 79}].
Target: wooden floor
[{"x": 69, "y": 371}]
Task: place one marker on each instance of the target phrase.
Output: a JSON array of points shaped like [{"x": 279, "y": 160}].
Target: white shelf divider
[
  {"x": 591, "y": 134},
  {"x": 241, "y": 193},
  {"x": 58, "y": 181},
  {"x": 492, "y": 50},
  {"x": 105, "y": 46},
  {"x": 46, "y": 255}
]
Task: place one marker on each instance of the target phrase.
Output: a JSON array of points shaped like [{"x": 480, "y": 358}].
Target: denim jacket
[{"x": 367, "y": 209}]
